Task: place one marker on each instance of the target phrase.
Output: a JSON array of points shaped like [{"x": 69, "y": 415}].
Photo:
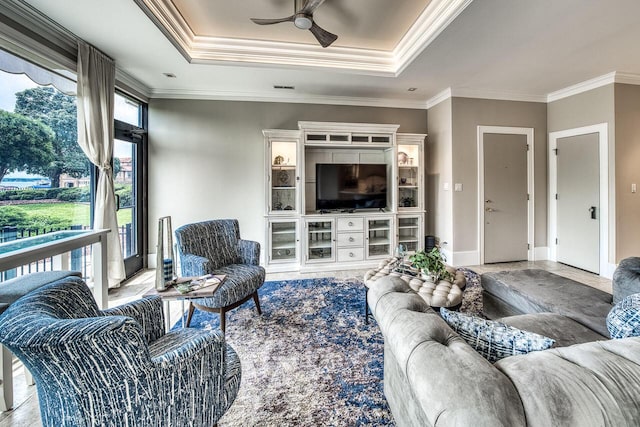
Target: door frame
[
  {"x": 602, "y": 129},
  {"x": 507, "y": 130}
]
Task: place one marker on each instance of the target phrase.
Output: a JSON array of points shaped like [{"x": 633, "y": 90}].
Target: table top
[{"x": 171, "y": 293}]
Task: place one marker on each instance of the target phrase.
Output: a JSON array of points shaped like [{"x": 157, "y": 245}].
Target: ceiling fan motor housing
[{"x": 303, "y": 21}]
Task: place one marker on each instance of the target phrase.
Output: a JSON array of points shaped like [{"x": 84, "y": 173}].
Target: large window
[{"x": 46, "y": 181}]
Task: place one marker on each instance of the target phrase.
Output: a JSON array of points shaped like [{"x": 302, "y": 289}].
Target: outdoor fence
[{"x": 80, "y": 258}]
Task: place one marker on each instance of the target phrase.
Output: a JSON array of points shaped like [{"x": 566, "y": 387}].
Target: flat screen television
[{"x": 351, "y": 186}]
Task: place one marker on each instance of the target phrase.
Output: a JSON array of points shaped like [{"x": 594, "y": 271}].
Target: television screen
[{"x": 351, "y": 186}]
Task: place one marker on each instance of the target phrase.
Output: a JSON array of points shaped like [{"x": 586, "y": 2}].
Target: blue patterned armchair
[
  {"x": 117, "y": 367},
  {"x": 215, "y": 247}
]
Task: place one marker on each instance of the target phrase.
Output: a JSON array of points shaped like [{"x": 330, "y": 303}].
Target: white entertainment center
[{"x": 302, "y": 237}]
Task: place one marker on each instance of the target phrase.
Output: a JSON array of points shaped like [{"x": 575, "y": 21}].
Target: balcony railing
[{"x": 80, "y": 258}]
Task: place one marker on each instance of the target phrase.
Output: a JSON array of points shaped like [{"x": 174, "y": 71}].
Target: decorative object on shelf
[
  {"x": 283, "y": 177},
  {"x": 278, "y": 160},
  {"x": 277, "y": 206},
  {"x": 403, "y": 158},
  {"x": 164, "y": 254},
  {"x": 407, "y": 202},
  {"x": 432, "y": 264},
  {"x": 403, "y": 181}
]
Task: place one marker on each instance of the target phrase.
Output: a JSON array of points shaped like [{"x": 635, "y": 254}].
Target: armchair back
[{"x": 216, "y": 240}]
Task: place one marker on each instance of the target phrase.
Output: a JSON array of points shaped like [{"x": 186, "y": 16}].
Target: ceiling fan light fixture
[{"x": 302, "y": 21}]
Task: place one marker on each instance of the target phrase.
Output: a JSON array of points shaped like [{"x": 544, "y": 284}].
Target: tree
[
  {"x": 25, "y": 144},
  {"x": 59, "y": 112}
]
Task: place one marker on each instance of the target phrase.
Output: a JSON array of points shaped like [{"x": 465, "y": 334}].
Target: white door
[
  {"x": 505, "y": 197},
  {"x": 578, "y": 197}
]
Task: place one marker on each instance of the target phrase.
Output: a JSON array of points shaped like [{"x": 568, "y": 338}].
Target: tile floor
[{"x": 26, "y": 412}]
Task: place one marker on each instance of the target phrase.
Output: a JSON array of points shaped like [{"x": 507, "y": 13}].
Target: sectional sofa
[{"x": 432, "y": 377}]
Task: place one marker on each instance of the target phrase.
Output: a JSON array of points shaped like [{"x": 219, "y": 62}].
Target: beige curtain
[{"x": 96, "y": 88}]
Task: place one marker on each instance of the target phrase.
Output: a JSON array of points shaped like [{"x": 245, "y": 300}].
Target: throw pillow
[
  {"x": 494, "y": 340},
  {"x": 624, "y": 318}
]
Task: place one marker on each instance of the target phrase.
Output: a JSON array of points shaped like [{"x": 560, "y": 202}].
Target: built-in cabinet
[{"x": 301, "y": 237}]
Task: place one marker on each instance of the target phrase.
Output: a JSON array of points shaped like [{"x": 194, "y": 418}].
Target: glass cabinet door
[
  {"x": 283, "y": 241},
  {"x": 320, "y": 241},
  {"x": 408, "y": 177},
  {"x": 379, "y": 238},
  {"x": 409, "y": 233},
  {"x": 284, "y": 177}
]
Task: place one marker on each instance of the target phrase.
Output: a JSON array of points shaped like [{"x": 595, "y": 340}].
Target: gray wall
[
  {"x": 439, "y": 171},
  {"x": 627, "y": 158},
  {"x": 468, "y": 114},
  {"x": 206, "y": 158}
]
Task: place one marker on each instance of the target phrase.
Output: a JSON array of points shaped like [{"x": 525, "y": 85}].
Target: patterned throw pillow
[
  {"x": 494, "y": 340},
  {"x": 624, "y": 318}
]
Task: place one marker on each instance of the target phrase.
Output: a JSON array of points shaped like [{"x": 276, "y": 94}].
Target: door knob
[
  {"x": 489, "y": 210},
  {"x": 488, "y": 201},
  {"x": 592, "y": 211}
]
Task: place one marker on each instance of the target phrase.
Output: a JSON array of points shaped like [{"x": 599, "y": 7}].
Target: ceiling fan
[{"x": 302, "y": 18}]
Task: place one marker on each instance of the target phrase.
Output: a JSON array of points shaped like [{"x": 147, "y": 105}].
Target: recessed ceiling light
[
  {"x": 284, "y": 87},
  {"x": 170, "y": 75},
  {"x": 412, "y": 89}
]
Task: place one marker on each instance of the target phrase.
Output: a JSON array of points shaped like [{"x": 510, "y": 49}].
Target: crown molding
[
  {"x": 132, "y": 86},
  {"x": 289, "y": 98},
  {"x": 205, "y": 49},
  {"x": 438, "y": 98},
  {"x": 497, "y": 95},
  {"x": 627, "y": 78},
  {"x": 434, "y": 19},
  {"x": 581, "y": 87}
]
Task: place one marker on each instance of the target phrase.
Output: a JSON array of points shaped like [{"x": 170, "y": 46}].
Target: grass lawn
[{"x": 70, "y": 213}]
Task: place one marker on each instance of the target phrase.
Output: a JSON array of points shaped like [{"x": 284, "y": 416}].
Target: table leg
[{"x": 6, "y": 371}]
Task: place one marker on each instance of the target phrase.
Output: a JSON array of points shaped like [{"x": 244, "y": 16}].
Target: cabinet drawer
[
  {"x": 350, "y": 239},
  {"x": 350, "y": 254},
  {"x": 351, "y": 224}
]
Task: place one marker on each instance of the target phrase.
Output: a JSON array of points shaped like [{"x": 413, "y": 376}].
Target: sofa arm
[
  {"x": 147, "y": 312},
  {"x": 249, "y": 252},
  {"x": 194, "y": 265}
]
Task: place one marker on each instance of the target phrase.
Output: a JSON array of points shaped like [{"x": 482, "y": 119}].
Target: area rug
[{"x": 310, "y": 359}]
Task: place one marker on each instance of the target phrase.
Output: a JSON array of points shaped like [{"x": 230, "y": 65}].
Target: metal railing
[{"x": 80, "y": 258}]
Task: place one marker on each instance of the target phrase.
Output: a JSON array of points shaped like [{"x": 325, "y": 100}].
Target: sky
[{"x": 10, "y": 84}]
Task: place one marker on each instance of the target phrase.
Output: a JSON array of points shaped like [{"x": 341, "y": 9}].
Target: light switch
[
  {"x": 633, "y": 188},
  {"x": 445, "y": 186},
  {"x": 457, "y": 187}
]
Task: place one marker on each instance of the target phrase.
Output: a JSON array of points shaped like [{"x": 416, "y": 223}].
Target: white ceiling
[{"x": 503, "y": 49}]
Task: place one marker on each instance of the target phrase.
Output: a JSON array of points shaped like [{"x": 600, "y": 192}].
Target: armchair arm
[
  {"x": 194, "y": 265},
  {"x": 249, "y": 252},
  {"x": 185, "y": 345},
  {"x": 147, "y": 312}
]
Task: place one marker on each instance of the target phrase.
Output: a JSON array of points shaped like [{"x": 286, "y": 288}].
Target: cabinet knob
[
  {"x": 351, "y": 254},
  {"x": 350, "y": 223},
  {"x": 351, "y": 239}
]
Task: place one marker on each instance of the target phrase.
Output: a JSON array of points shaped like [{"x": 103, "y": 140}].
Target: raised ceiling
[{"x": 502, "y": 49}]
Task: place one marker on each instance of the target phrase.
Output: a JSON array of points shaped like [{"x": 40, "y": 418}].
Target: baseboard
[
  {"x": 460, "y": 259},
  {"x": 541, "y": 253}
]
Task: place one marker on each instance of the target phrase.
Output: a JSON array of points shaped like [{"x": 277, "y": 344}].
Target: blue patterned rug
[{"x": 310, "y": 359}]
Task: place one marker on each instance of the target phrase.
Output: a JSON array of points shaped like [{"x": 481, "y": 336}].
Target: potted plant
[{"x": 432, "y": 264}]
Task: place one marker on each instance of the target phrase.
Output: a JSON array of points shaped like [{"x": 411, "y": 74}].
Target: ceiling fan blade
[
  {"x": 310, "y": 6},
  {"x": 272, "y": 21},
  {"x": 325, "y": 38}
]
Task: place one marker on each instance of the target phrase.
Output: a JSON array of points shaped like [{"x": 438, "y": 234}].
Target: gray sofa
[{"x": 432, "y": 377}]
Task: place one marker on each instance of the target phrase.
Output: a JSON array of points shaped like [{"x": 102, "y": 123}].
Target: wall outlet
[
  {"x": 633, "y": 188},
  {"x": 457, "y": 187},
  {"x": 445, "y": 186}
]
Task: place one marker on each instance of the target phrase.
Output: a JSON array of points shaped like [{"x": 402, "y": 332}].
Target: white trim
[
  {"x": 596, "y": 82},
  {"x": 460, "y": 259},
  {"x": 541, "y": 253},
  {"x": 498, "y": 95},
  {"x": 607, "y": 210},
  {"x": 530, "y": 184},
  {"x": 438, "y": 98},
  {"x": 296, "y": 99}
]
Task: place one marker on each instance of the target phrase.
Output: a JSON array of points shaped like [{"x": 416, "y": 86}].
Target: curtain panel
[{"x": 96, "y": 91}]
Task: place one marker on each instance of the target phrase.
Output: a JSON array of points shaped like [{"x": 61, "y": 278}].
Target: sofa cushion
[
  {"x": 565, "y": 331},
  {"x": 626, "y": 279},
  {"x": 538, "y": 291},
  {"x": 494, "y": 340},
  {"x": 624, "y": 318},
  {"x": 593, "y": 384}
]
